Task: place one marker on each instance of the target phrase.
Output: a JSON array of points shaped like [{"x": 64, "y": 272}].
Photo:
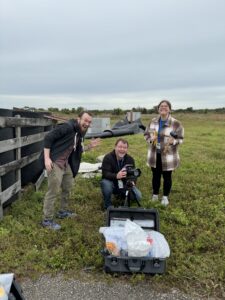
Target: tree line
[{"x": 119, "y": 111}]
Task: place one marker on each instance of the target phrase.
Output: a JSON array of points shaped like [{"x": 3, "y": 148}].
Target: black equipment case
[
  {"x": 148, "y": 219},
  {"x": 16, "y": 292}
]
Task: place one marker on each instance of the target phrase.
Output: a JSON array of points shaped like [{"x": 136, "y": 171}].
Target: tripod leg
[
  {"x": 128, "y": 197},
  {"x": 138, "y": 203},
  {"x": 127, "y": 201}
]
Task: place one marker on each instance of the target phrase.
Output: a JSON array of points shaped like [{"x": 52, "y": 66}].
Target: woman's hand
[{"x": 171, "y": 140}]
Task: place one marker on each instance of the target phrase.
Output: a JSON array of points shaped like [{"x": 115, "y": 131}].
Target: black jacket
[
  {"x": 110, "y": 166},
  {"x": 60, "y": 138}
]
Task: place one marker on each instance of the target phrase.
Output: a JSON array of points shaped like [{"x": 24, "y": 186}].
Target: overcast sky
[{"x": 102, "y": 54}]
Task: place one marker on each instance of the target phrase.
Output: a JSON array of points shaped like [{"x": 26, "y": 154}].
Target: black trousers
[{"x": 156, "y": 178}]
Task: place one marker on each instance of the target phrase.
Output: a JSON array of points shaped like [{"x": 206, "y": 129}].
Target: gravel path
[{"x": 59, "y": 288}]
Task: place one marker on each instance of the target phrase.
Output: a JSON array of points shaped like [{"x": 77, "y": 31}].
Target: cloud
[{"x": 97, "y": 49}]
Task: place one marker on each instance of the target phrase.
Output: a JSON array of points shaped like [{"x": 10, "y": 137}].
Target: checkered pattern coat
[{"x": 169, "y": 153}]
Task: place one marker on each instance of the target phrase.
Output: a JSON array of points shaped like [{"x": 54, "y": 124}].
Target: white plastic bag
[
  {"x": 160, "y": 247},
  {"x": 5, "y": 285},
  {"x": 114, "y": 239},
  {"x": 136, "y": 238},
  {"x": 132, "y": 239}
]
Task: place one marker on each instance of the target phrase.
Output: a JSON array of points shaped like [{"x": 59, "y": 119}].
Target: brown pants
[{"x": 57, "y": 179}]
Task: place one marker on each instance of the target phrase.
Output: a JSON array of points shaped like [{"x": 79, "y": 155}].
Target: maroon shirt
[{"x": 62, "y": 161}]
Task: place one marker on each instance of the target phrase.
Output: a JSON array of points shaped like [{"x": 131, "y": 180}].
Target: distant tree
[
  {"x": 144, "y": 111},
  {"x": 220, "y": 110},
  {"x": 80, "y": 109},
  {"x": 65, "y": 111},
  {"x": 155, "y": 109},
  {"x": 180, "y": 110},
  {"x": 53, "y": 109},
  {"x": 117, "y": 111},
  {"x": 151, "y": 111}
]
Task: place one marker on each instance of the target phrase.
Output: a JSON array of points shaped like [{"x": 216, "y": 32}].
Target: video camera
[{"x": 132, "y": 174}]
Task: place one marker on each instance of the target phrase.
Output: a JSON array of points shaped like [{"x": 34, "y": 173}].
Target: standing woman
[{"x": 164, "y": 134}]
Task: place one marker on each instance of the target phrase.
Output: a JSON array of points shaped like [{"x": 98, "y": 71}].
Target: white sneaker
[
  {"x": 155, "y": 197},
  {"x": 165, "y": 201}
]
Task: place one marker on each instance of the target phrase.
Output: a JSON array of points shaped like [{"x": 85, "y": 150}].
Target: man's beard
[
  {"x": 83, "y": 130},
  {"x": 120, "y": 156}
]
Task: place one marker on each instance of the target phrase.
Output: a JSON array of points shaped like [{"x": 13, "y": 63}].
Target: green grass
[{"x": 193, "y": 223}]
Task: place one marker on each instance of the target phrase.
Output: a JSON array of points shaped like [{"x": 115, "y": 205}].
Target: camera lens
[{"x": 136, "y": 173}]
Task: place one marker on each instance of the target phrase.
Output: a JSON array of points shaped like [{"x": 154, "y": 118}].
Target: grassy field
[{"x": 193, "y": 223}]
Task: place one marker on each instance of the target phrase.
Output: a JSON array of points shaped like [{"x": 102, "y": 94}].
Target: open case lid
[{"x": 148, "y": 219}]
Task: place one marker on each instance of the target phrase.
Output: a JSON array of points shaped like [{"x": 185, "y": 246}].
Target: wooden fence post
[
  {"x": 18, "y": 156},
  {"x": 16, "y": 143}
]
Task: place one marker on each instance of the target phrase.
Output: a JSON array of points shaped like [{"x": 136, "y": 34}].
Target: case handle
[{"x": 130, "y": 265}]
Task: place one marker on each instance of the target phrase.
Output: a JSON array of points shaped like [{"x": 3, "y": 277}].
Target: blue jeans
[{"x": 108, "y": 188}]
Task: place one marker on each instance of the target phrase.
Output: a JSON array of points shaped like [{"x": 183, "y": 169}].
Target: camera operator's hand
[{"x": 121, "y": 174}]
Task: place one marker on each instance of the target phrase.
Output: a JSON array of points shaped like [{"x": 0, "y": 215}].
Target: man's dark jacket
[
  {"x": 110, "y": 166},
  {"x": 60, "y": 139}
]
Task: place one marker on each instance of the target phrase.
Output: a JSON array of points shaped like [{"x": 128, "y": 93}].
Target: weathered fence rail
[{"x": 16, "y": 144}]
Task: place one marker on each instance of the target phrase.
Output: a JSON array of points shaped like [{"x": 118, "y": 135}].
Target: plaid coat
[{"x": 169, "y": 153}]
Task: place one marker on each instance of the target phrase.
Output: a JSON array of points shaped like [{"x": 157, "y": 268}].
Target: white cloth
[{"x": 88, "y": 167}]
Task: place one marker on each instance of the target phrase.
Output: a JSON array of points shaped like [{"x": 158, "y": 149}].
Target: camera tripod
[{"x": 128, "y": 198}]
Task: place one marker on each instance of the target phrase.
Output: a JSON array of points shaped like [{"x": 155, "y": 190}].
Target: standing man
[
  {"x": 114, "y": 173},
  {"x": 63, "y": 147}
]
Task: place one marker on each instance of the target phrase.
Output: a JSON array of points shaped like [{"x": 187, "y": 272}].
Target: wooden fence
[{"x": 16, "y": 144}]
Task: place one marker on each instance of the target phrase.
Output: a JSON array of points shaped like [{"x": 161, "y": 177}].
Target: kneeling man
[{"x": 114, "y": 174}]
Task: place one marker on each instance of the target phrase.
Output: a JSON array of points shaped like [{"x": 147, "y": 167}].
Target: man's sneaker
[
  {"x": 50, "y": 224},
  {"x": 165, "y": 201},
  {"x": 62, "y": 214},
  {"x": 155, "y": 198}
]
